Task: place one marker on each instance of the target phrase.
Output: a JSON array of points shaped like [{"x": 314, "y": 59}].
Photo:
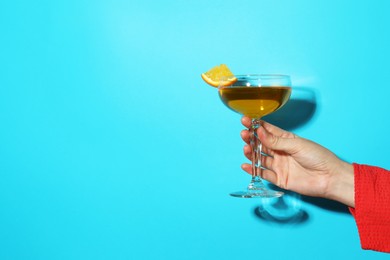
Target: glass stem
[{"x": 256, "y": 183}]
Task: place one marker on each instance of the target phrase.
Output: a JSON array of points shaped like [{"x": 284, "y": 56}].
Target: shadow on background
[
  {"x": 297, "y": 111},
  {"x": 285, "y": 210},
  {"x": 327, "y": 204},
  {"x": 269, "y": 219}
]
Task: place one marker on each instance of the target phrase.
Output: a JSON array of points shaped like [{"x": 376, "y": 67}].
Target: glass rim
[
  {"x": 270, "y": 80},
  {"x": 266, "y": 75}
]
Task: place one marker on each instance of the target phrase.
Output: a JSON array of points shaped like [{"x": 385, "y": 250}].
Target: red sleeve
[{"x": 372, "y": 207}]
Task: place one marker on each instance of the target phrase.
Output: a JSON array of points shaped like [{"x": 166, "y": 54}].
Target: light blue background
[{"x": 112, "y": 146}]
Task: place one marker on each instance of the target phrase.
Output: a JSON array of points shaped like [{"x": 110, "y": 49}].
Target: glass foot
[
  {"x": 257, "y": 194},
  {"x": 256, "y": 189}
]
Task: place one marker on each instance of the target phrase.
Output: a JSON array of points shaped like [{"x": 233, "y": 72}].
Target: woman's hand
[{"x": 301, "y": 165}]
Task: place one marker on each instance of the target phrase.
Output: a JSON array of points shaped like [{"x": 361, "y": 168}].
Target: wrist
[{"x": 341, "y": 185}]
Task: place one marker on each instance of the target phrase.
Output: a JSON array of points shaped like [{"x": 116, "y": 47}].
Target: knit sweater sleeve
[{"x": 372, "y": 207}]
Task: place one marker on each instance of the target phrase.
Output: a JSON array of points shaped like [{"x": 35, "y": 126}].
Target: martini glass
[{"x": 256, "y": 96}]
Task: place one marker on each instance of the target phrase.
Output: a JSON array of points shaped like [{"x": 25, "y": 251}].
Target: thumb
[{"x": 289, "y": 145}]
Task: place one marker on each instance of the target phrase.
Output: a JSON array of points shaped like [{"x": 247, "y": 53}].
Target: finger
[
  {"x": 270, "y": 176},
  {"x": 267, "y": 175},
  {"x": 267, "y": 151},
  {"x": 245, "y": 135},
  {"x": 276, "y": 130},
  {"x": 264, "y": 153},
  {"x": 267, "y": 162},
  {"x": 248, "y": 152},
  {"x": 289, "y": 145},
  {"x": 247, "y": 168},
  {"x": 246, "y": 121}
]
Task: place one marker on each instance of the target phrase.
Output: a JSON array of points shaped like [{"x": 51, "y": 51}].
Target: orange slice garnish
[{"x": 219, "y": 76}]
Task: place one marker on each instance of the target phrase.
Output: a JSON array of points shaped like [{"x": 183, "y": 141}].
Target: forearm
[{"x": 341, "y": 186}]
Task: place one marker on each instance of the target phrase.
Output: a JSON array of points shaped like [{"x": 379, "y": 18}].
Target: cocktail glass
[{"x": 256, "y": 96}]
